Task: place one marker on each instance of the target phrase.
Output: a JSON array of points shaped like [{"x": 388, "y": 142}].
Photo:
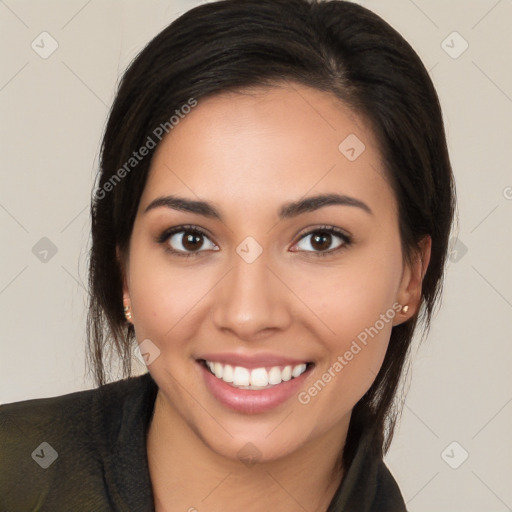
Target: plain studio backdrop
[{"x": 60, "y": 64}]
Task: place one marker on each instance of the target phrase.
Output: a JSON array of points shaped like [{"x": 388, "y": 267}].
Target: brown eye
[
  {"x": 323, "y": 241},
  {"x": 192, "y": 241},
  {"x": 184, "y": 241},
  {"x": 189, "y": 241}
]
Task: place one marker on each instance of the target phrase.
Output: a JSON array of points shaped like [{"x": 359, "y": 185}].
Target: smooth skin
[{"x": 248, "y": 155}]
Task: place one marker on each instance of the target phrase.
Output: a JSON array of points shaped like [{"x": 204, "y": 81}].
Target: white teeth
[
  {"x": 298, "y": 370},
  {"x": 274, "y": 375},
  {"x": 257, "y": 378},
  {"x": 241, "y": 376},
  {"x": 286, "y": 374},
  {"x": 228, "y": 373},
  {"x": 218, "y": 370}
]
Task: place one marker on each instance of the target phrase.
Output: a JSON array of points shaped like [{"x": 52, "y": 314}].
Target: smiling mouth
[{"x": 255, "y": 378}]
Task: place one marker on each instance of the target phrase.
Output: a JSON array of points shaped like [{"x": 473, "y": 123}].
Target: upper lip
[{"x": 253, "y": 361}]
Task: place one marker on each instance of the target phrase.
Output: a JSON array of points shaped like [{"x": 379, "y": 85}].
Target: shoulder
[
  {"x": 388, "y": 497},
  {"x": 368, "y": 485},
  {"x": 58, "y": 445},
  {"x": 65, "y": 415}
]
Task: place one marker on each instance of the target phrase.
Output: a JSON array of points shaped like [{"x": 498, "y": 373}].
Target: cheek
[
  {"x": 351, "y": 298},
  {"x": 360, "y": 316},
  {"x": 356, "y": 303},
  {"x": 163, "y": 296},
  {"x": 347, "y": 377}
]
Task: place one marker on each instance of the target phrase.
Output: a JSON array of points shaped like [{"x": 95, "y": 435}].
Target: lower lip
[{"x": 251, "y": 401}]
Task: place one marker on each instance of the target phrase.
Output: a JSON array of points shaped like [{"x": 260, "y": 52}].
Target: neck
[{"x": 187, "y": 475}]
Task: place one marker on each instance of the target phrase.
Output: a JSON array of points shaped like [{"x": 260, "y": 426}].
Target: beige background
[{"x": 53, "y": 112}]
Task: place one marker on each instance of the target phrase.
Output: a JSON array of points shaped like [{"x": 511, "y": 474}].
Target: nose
[{"x": 251, "y": 301}]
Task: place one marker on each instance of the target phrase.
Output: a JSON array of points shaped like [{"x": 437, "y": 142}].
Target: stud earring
[
  {"x": 404, "y": 309},
  {"x": 127, "y": 312}
]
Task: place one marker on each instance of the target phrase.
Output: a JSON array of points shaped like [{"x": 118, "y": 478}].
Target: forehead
[{"x": 266, "y": 144}]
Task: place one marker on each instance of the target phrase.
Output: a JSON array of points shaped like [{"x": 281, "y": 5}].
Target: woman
[{"x": 270, "y": 225}]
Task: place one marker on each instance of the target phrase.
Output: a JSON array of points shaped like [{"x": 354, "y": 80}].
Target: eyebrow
[{"x": 287, "y": 210}]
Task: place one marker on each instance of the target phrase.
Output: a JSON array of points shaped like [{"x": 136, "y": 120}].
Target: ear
[{"x": 409, "y": 292}]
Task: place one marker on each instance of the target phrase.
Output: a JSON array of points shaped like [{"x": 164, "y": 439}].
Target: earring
[
  {"x": 127, "y": 312},
  {"x": 404, "y": 309}
]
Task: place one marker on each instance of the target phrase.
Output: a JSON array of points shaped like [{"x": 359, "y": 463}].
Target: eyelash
[{"x": 168, "y": 233}]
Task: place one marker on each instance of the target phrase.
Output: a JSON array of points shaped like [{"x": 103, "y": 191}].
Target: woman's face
[{"x": 266, "y": 287}]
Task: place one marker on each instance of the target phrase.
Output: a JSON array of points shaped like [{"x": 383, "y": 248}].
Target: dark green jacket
[{"x": 86, "y": 451}]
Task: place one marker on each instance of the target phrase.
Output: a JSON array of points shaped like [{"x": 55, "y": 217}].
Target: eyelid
[
  {"x": 324, "y": 227},
  {"x": 168, "y": 233},
  {"x": 333, "y": 230}
]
